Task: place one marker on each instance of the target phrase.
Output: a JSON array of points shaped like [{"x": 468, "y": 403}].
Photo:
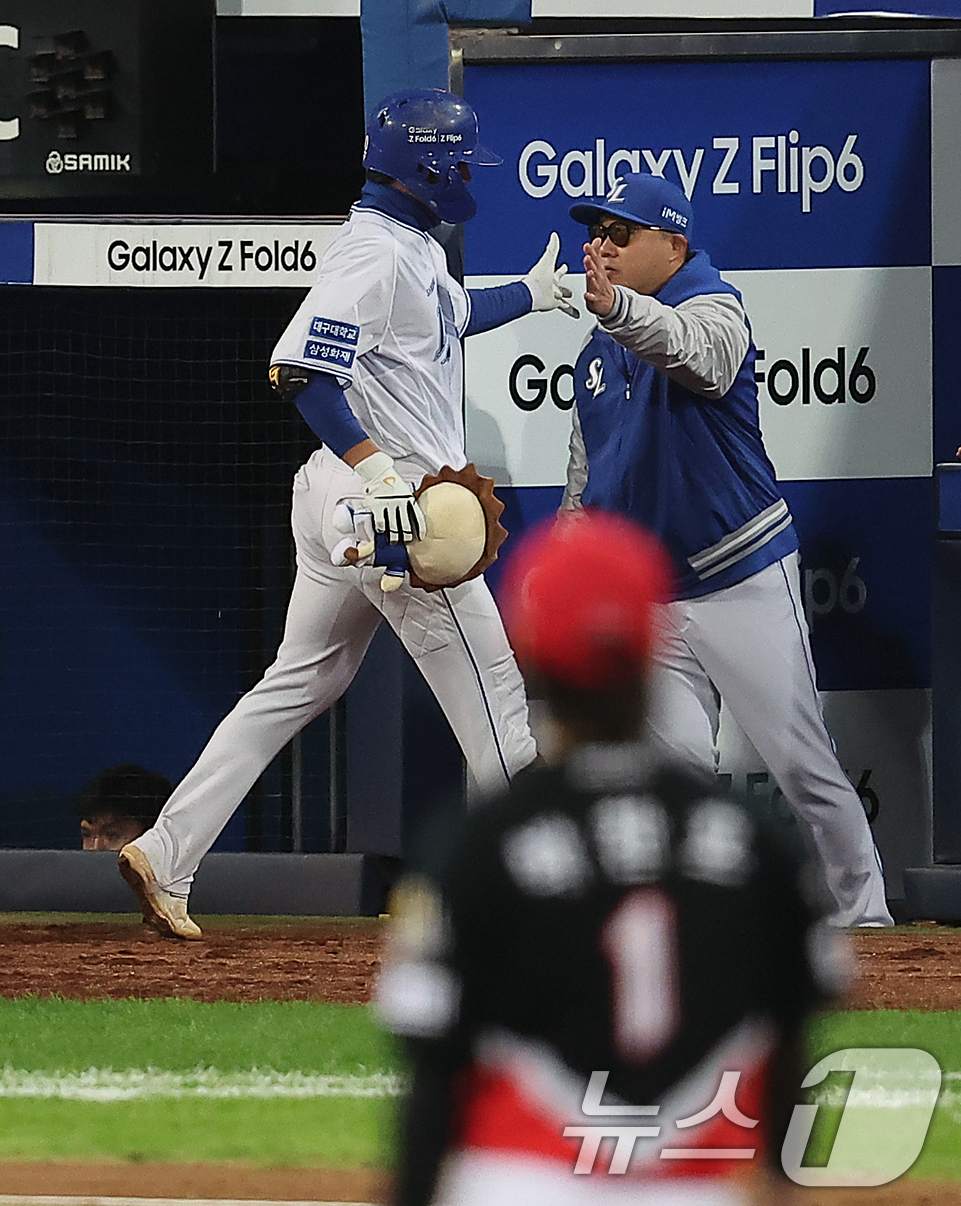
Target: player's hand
[
  {"x": 599, "y": 295},
  {"x": 362, "y": 547},
  {"x": 544, "y": 282},
  {"x": 391, "y": 500}
]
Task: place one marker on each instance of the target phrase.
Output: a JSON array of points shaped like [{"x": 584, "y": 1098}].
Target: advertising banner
[
  {"x": 671, "y": 8},
  {"x": 179, "y": 255},
  {"x": 288, "y": 8},
  {"x": 945, "y": 9},
  {"x": 939, "y": 9},
  {"x": 788, "y": 165},
  {"x": 883, "y": 740},
  {"x": 945, "y": 162},
  {"x": 843, "y": 371}
]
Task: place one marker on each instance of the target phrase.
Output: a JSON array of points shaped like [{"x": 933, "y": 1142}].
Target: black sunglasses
[{"x": 619, "y": 231}]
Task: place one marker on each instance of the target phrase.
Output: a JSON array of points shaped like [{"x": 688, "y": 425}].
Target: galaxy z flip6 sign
[{"x": 811, "y": 189}]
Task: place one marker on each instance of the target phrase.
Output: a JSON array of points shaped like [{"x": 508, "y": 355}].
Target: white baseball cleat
[{"x": 161, "y": 910}]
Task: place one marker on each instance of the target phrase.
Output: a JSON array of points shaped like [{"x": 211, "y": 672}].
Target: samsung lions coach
[{"x": 666, "y": 432}]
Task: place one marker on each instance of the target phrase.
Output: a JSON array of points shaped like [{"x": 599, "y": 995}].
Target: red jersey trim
[{"x": 495, "y": 1116}]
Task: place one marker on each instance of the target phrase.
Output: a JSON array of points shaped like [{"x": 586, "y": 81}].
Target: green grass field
[
  {"x": 252, "y": 1060},
  {"x": 289, "y": 1083},
  {"x": 937, "y": 1033}
]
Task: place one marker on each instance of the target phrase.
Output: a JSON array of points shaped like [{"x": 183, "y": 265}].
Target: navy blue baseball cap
[{"x": 641, "y": 197}]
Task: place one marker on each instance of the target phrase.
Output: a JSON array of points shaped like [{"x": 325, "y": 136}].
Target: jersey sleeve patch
[
  {"x": 328, "y": 353},
  {"x": 330, "y": 328}
]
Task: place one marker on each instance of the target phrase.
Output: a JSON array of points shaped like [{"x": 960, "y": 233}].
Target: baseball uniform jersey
[
  {"x": 386, "y": 318},
  {"x": 611, "y": 944}
]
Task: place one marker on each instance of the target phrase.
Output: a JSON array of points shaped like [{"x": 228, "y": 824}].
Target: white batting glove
[
  {"x": 391, "y": 500},
  {"x": 544, "y": 281}
]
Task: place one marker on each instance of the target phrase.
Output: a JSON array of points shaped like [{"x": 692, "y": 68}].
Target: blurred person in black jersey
[{"x": 601, "y": 979}]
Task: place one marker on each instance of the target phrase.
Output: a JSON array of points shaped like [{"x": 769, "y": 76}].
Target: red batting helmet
[{"x": 578, "y": 599}]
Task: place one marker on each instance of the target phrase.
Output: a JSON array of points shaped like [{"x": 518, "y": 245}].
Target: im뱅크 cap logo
[{"x": 673, "y": 216}]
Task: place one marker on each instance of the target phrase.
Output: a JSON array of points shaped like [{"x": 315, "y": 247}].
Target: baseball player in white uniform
[
  {"x": 373, "y": 361},
  {"x": 666, "y": 431}
]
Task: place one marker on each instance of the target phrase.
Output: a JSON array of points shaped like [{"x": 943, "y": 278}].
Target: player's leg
[
  {"x": 458, "y": 642},
  {"x": 329, "y": 628},
  {"x": 752, "y": 640},
  {"x": 329, "y": 625},
  {"x": 684, "y": 710}
]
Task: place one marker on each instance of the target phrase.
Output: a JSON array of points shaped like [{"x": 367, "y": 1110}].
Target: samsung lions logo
[
  {"x": 617, "y": 192},
  {"x": 595, "y": 378}
]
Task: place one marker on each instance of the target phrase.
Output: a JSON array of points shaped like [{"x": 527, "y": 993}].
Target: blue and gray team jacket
[{"x": 666, "y": 430}]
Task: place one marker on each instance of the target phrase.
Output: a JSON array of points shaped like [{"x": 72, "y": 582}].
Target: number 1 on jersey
[{"x": 639, "y": 940}]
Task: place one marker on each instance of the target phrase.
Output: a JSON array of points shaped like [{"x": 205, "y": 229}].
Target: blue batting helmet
[{"x": 421, "y": 138}]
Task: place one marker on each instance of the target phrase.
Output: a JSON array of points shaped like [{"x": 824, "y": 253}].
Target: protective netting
[{"x": 145, "y": 549}]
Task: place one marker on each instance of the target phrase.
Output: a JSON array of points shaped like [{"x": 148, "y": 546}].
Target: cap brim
[
  {"x": 589, "y": 214},
  {"x": 482, "y": 157}
]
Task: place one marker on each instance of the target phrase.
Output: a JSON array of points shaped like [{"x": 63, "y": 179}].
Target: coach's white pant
[
  {"x": 508, "y": 1179},
  {"x": 748, "y": 646},
  {"x": 455, "y": 636}
]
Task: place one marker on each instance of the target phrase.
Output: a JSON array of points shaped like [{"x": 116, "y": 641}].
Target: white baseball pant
[
  {"x": 455, "y": 636},
  {"x": 748, "y": 645}
]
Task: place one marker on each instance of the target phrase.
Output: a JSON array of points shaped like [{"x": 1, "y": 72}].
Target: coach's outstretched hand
[
  {"x": 599, "y": 295},
  {"x": 544, "y": 282},
  {"x": 391, "y": 500}
]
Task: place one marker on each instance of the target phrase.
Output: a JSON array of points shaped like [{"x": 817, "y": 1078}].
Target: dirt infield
[
  {"x": 917, "y": 967},
  {"x": 238, "y": 1183},
  {"x": 326, "y": 960},
  {"x": 224, "y": 1182}
]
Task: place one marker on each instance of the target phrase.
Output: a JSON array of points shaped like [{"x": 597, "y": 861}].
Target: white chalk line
[
  {"x": 891, "y": 1092},
  {"x": 106, "y": 1084}
]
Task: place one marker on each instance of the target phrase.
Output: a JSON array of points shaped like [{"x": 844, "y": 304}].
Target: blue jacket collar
[
  {"x": 397, "y": 205},
  {"x": 695, "y": 277}
]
